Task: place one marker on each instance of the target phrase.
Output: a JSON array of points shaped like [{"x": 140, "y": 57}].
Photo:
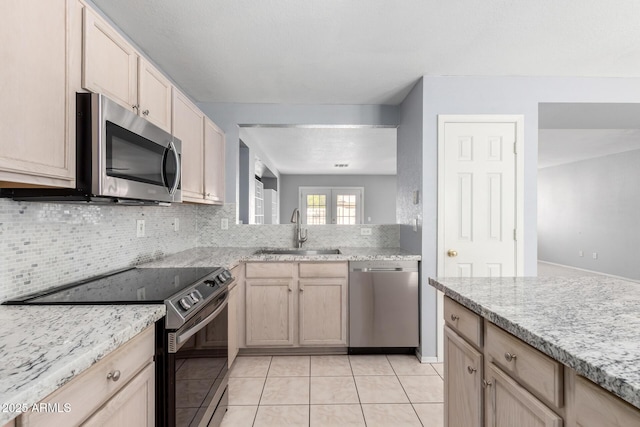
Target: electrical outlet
[
  {"x": 224, "y": 224},
  {"x": 580, "y": 253},
  {"x": 365, "y": 232},
  {"x": 140, "y": 228},
  {"x": 415, "y": 225},
  {"x": 176, "y": 224},
  {"x": 595, "y": 255},
  {"x": 416, "y": 197}
]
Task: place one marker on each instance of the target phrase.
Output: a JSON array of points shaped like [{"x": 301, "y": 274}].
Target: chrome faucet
[{"x": 301, "y": 235}]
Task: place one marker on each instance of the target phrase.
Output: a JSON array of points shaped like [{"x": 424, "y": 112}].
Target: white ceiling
[
  {"x": 570, "y": 132},
  {"x": 372, "y": 51},
  {"x": 315, "y": 150}
]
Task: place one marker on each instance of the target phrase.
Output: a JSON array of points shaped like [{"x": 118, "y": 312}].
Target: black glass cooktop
[{"x": 132, "y": 286}]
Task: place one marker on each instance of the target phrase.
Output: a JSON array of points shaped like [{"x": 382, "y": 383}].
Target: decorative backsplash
[{"x": 43, "y": 245}]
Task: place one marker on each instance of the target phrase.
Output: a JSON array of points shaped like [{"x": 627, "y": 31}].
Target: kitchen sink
[{"x": 299, "y": 252}]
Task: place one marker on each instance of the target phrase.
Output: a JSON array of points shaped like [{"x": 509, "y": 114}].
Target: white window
[{"x": 331, "y": 205}]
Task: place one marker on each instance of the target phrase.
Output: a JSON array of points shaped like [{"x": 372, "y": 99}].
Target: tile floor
[{"x": 392, "y": 390}]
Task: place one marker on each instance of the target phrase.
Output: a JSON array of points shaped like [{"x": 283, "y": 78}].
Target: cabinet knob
[
  {"x": 113, "y": 375},
  {"x": 471, "y": 370},
  {"x": 135, "y": 107},
  {"x": 454, "y": 317},
  {"x": 145, "y": 113},
  {"x": 486, "y": 383},
  {"x": 509, "y": 356},
  {"x": 290, "y": 290}
]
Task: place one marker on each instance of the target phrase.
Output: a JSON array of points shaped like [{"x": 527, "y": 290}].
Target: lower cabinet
[
  {"x": 508, "y": 404},
  {"x": 463, "y": 385},
  {"x": 596, "y": 407},
  {"x": 118, "y": 390},
  {"x": 296, "y": 304}
]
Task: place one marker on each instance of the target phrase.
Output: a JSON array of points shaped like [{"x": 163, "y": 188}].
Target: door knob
[{"x": 452, "y": 253}]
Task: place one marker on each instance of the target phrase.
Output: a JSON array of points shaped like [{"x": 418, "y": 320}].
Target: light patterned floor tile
[
  {"x": 370, "y": 365},
  {"x": 289, "y": 366},
  {"x": 286, "y": 391},
  {"x": 380, "y": 389},
  {"x": 431, "y": 414},
  {"x": 423, "y": 389},
  {"x": 404, "y": 364},
  {"x": 336, "y": 415},
  {"x": 439, "y": 367},
  {"x": 333, "y": 390},
  {"x": 279, "y": 416},
  {"x": 250, "y": 366},
  {"x": 390, "y": 415},
  {"x": 330, "y": 366},
  {"x": 239, "y": 416},
  {"x": 245, "y": 391}
]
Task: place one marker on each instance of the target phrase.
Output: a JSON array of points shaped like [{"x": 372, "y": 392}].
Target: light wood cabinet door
[
  {"x": 508, "y": 404},
  {"x": 154, "y": 95},
  {"x": 133, "y": 405},
  {"x": 269, "y": 312},
  {"x": 323, "y": 311},
  {"x": 109, "y": 63},
  {"x": 463, "y": 382},
  {"x": 596, "y": 407},
  {"x": 187, "y": 124},
  {"x": 213, "y": 162},
  {"x": 233, "y": 325},
  {"x": 37, "y": 106}
]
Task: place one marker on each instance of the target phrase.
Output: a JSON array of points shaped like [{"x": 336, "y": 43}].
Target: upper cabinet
[
  {"x": 40, "y": 50},
  {"x": 188, "y": 128},
  {"x": 113, "y": 67},
  {"x": 62, "y": 47},
  {"x": 213, "y": 162}
]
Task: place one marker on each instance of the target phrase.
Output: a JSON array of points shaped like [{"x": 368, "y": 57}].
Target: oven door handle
[{"x": 183, "y": 336}]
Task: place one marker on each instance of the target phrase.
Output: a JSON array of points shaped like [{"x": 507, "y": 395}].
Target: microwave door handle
[{"x": 172, "y": 148}]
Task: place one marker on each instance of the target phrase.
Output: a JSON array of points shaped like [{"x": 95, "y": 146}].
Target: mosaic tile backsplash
[{"x": 43, "y": 245}]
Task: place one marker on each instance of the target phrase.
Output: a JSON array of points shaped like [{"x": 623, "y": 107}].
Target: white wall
[
  {"x": 591, "y": 206},
  {"x": 379, "y": 193}
]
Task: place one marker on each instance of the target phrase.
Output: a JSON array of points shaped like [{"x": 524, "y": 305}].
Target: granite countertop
[
  {"x": 230, "y": 257},
  {"x": 590, "y": 324},
  {"x": 44, "y": 347}
]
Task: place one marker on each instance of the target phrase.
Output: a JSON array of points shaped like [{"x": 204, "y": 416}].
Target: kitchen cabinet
[
  {"x": 188, "y": 126},
  {"x": 509, "y": 404},
  {"x": 113, "y": 67},
  {"x": 463, "y": 366},
  {"x": 214, "y": 161},
  {"x": 296, "y": 304},
  {"x": 40, "y": 73},
  {"x": 118, "y": 390}
]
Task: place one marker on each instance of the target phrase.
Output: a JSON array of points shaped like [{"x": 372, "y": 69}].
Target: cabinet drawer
[
  {"x": 595, "y": 406},
  {"x": 536, "y": 371},
  {"x": 464, "y": 321},
  {"x": 86, "y": 393},
  {"x": 269, "y": 269},
  {"x": 323, "y": 269}
]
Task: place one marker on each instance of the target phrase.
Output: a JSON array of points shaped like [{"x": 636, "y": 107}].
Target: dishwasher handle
[{"x": 378, "y": 269}]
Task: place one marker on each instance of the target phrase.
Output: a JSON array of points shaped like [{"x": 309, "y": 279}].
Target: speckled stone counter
[
  {"x": 229, "y": 257},
  {"x": 43, "y": 348},
  {"x": 590, "y": 324}
]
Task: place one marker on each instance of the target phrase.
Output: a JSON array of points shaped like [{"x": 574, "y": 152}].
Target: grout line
[{"x": 264, "y": 385}]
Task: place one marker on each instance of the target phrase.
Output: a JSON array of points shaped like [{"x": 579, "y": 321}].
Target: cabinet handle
[
  {"x": 486, "y": 383},
  {"x": 145, "y": 113},
  {"x": 454, "y": 317},
  {"x": 113, "y": 375},
  {"x": 509, "y": 356},
  {"x": 136, "y": 107},
  {"x": 290, "y": 290},
  {"x": 471, "y": 370}
]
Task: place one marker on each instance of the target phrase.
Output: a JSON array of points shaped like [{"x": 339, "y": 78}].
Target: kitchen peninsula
[{"x": 590, "y": 325}]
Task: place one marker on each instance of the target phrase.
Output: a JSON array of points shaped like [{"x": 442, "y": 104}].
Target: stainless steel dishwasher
[{"x": 383, "y": 305}]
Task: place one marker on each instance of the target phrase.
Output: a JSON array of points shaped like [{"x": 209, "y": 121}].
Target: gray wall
[
  {"x": 591, "y": 206},
  {"x": 379, "y": 193}
]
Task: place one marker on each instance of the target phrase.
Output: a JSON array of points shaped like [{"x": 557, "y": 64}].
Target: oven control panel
[{"x": 197, "y": 296}]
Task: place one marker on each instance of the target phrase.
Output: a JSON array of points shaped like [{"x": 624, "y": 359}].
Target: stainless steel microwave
[{"x": 120, "y": 158}]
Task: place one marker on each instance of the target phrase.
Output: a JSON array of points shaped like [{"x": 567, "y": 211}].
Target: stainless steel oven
[{"x": 191, "y": 356}]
